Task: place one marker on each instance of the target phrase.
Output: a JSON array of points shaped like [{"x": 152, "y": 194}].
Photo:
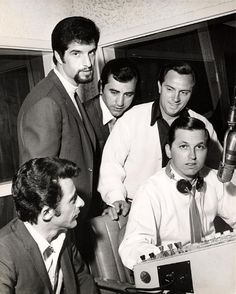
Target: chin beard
[{"x": 79, "y": 80}]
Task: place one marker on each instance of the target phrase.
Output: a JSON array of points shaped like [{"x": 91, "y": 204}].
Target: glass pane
[
  {"x": 210, "y": 47},
  {"x": 19, "y": 72}
]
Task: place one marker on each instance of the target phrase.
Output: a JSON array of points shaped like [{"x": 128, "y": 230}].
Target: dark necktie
[
  {"x": 194, "y": 218},
  {"x": 85, "y": 120}
]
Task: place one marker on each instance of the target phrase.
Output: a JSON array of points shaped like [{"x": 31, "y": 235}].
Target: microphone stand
[{"x": 227, "y": 166}]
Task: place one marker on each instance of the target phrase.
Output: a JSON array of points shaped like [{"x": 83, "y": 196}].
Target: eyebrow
[
  {"x": 185, "y": 142},
  {"x": 187, "y": 90}
]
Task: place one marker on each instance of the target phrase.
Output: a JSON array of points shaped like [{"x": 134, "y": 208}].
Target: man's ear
[
  {"x": 159, "y": 87},
  {"x": 47, "y": 213},
  {"x": 58, "y": 57},
  {"x": 167, "y": 149}
]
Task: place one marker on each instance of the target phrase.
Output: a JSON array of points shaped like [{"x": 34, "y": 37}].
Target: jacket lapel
[
  {"x": 70, "y": 105},
  {"x": 34, "y": 254},
  {"x": 105, "y": 129}
]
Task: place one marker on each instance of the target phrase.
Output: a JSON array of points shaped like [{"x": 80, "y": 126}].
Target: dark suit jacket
[
  {"x": 102, "y": 132},
  {"x": 22, "y": 270},
  {"x": 49, "y": 125},
  {"x": 94, "y": 112}
]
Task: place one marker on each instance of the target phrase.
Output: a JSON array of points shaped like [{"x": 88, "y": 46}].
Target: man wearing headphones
[
  {"x": 180, "y": 202},
  {"x": 135, "y": 150}
]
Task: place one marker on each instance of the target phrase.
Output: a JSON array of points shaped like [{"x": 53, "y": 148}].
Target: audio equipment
[
  {"x": 228, "y": 163},
  {"x": 184, "y": 186},
  {"x": 203, "y": 268}
]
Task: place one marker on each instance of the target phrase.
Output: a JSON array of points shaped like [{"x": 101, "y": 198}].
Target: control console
[{"x": 202, "y": 268}]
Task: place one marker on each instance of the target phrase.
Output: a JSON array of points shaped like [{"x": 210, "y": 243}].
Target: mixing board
[{"x": 203, "y": 268}]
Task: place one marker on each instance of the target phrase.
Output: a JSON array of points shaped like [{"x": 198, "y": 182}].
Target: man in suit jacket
[
  {"x": 117, "y": 87},
  {"x": 37, "y": 254},
  {"x": 52, "y": 121}
]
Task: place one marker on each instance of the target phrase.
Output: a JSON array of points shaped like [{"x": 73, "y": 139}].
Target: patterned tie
[
  {"x": 49, "y": 263},
  {"x": 194, "y": 218}
]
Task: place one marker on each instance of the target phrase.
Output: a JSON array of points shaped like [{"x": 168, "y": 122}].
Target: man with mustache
[
  {"x": 52, "y": 120},
  {"x": 37, "y": 254}
]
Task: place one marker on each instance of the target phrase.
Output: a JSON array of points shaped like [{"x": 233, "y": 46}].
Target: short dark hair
[
  {"x": 36, "y": 184},
  {"x": 122, "y": 69},
  {"x": 75, "y": 28},
  {"x": 181, "y": 68},
  {"x": 186, "y": 123}
]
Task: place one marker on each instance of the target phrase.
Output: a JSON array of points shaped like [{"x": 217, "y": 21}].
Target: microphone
[{"x": 228, "y": 163}]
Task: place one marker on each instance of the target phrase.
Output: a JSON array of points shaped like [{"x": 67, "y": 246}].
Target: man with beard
[{"x": 52, "y": 120}]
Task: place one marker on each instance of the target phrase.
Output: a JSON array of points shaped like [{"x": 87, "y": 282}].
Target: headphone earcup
[{"x": 184, "y": 186}]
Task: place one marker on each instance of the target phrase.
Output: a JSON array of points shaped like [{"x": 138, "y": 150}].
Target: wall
[{"x": 28, "y": 23}]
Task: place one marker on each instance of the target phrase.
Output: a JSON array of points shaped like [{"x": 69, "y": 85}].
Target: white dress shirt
[
  {"x": 132, "y": 153},
  {"x": 159, "y": 214},
  {"x": 50, "y": 254},
  {"x": 107, "y": 117},
  {"x": 70, "y": 89}
]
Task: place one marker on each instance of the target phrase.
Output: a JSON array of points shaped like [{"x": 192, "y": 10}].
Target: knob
[
  {"x": 143, "y": 257},
  {"x": 161, "y": 248},
  {"x": 152, "y": 255},
  {"x": 179, "y": 246},
  {"x": 170, "y": 246}
]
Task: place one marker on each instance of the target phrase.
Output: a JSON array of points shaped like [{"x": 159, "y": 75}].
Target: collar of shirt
[
  {"x": 106, "y": 114},
  {"x": 70, "y": 89},
  {"x": 42, "y": 243},
  {"x": 178, "y": 177},
  {"x": 156, "y": 112}
]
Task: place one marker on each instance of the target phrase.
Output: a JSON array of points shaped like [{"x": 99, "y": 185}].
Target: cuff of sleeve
[{"x": 114, "y": 196}]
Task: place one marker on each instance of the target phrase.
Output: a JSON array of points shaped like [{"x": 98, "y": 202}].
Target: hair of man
[
  {"x": 36, "y": 184},
  {"x": 181, "y": 68},
  {"x": 122, "y": 70},
  {"x": 186, "y": 123},
  {"x": 76, "y": 28}
]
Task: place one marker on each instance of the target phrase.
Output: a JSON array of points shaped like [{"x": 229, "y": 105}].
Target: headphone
[{"x": 184, "y": 186}]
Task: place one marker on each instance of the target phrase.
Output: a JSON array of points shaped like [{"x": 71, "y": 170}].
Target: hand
[{"x": 120, "y": 207}]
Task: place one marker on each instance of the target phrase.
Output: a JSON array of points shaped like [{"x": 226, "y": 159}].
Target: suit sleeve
[
  {"x": 40, "y": 130},
  {"x": 85, "y": 281},
  {"x": 7, "y": 273}
]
